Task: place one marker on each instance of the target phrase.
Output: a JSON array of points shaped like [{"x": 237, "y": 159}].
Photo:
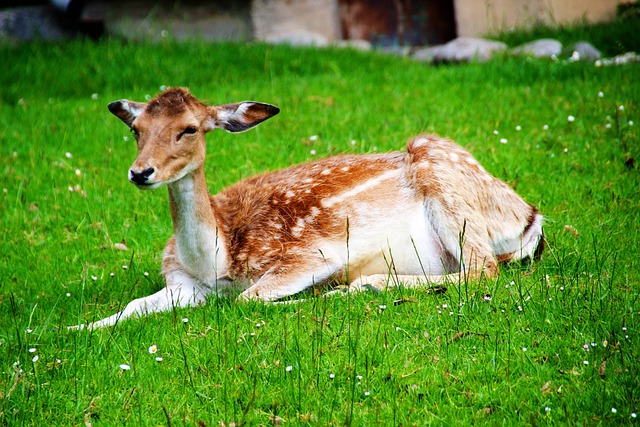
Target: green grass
[{"x": 403, "y": 357}]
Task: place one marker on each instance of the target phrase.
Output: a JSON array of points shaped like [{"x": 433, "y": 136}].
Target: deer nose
[{"x": 140, "y": 177}]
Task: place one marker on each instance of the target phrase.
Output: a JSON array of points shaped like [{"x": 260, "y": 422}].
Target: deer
[{"x": 428, "y": 215}]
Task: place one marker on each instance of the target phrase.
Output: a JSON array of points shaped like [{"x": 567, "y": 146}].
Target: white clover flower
[
  {"x": 524, "y": 348},
  {"x": 571, "y": 119},
  {"x": 288, "y": 368},
  {"x": 621, "y": 107},
  {"x": 185, "y": 320},
  {"x": 112, "y": 274},
  {"x": 153, "y": 349},
  {"x": 633, "y": 415},
  {"x": 312, "y": 152},
  {"x": 146, "y": 274},
  {"x": 630, "y": 122},
  {"x": 125, "y": 367},
  {"x": 600, "y": 94},
  {"x": 614, "y": 410},
  {"x": 504, "y": 140},
  {"x": 367, "y": 393},
  {"x": 545, "y": 127},
  {"x": 382, "y": 306},
  {"x": 518, "y": 128},
  {"x": 33, "y": 350},
  {"x": 94, "y": 278},
  {"x": 159, "y": 359},
  {"x": 586, "y": 362},
  {"x": 495, "y": 132},
  {"x": 78, "y": 172},
  {"x": 68, "y": 294},
  {"x": 353, "y": 142},
  {"x": 68, "y": 155},
  {"x": 313, "y": 138},
  {"x": 29, "y": 330},
  {"x": 94, "y": 96},
  {"x": 332, "y": 376},
  {"x": 547, "y": 409},
  {"x": 35, "y": 358},
  {"x": 126, "y": 137},
  {"x": 124, "y": 267}
]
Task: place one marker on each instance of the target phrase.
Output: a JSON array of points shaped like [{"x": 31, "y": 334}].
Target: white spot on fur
[
  {"x": 307, "y": 180},
  {"x": 420, "y": 142},
  {"x": 345, "y": 169},
  {"x": 325, "y": 172},
  {"x": 454, "y": 157},
  {"x": 352, "y": 192},
  {"x": 289, "y": 194}
]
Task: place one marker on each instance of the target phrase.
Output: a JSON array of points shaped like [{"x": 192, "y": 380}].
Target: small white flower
[
  {"x": 504, "y": 140},
  {"x": 445, "y": 305},
  {"x": 312, "y": 152},
  {"x": 524, "y": 348},
  {"x": 125, "y": 137},
  {"x": 621, "y": 108},
  {"x": 70, "y": 188},
  {"x": 633, "y": 415},
  {"x": 547, "y": 409},
  {"x": 495, "y": 132},
  {"x": 518, "y": 128},
  {"x": 630, "y": 122},
  {"x": 519, "y": 308},
  {"x": 571, "y": 119},
  {"x": 35, "y": 358},
  {"x": 94, "y": 278},
  {"x": 112, "y": 274},
  {"x": 124, "y": 267},
  {"x": 605, "y": 343},
  {"x": 58, "y": 361},
  {"x": 593, "y": 344},
  {"x": 566, "y": 150},
  {"x": 68, "y": 294},
  {"x": 332, "y": 376},
  {"x": 33, "y": 350},
  {"x": 185, "y": 320},
  {"x": 367, "y": 393},
  {"x": 288, "y": 368},
  {"x": 600, "y": 94},
  {"x": 382, "y": 306},
  {"x": 624, "y": 328},
  {"x": 159, "y": 359},
  {"x": 146, "y": 274},
  {"x": 313, "y": 138},
  {"x": 153, "y": 349},
  {"x": 586, "y": 362},
  {"x": 94, "y": 96},
  {"x": 163, "y": 88},
  {"x": 614, "y": 410},
  {"x": 29, "y": 330},
  {"x": 353, "y": 142},
  {"x": 68, "y": 155},
  {"x": 545, "y": 127},
  {"x": 359, "y": 377},
  {"x": 125, "y": 367},
  {"x": 78, "y": 172},
  {"x": 16, "y": 363}
]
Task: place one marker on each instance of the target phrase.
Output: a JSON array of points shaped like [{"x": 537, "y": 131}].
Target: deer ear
[
  {"x": 127, "y": 111},
  {"x": 241, "y": 116}
]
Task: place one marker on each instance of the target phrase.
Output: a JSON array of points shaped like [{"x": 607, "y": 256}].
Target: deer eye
[{"x": 191, "y": 130}]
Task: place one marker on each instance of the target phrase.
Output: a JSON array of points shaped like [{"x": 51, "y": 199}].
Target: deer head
[{"x": 170, "y": 131}]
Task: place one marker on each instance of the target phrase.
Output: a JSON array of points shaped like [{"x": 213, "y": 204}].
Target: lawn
[{"x": 554, "y": 343}]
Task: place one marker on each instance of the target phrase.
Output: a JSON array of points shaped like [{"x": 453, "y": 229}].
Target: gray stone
[
  {"x": 585, "y": 51},
  {"x": 463, "y": 49},
  {"x": 543, "y": 48},
  {"x": 297, "y": 38}
]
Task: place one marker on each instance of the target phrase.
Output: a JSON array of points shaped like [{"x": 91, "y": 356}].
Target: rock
[
  {"x": 298, "y": 38},
  {"x": 543, "y": 48},
  {"x": 463, "y": 49},
  {"x": 585, "y": 51}
]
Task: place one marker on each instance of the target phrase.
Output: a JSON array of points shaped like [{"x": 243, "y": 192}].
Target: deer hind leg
[{"x": 292, "y": 277}]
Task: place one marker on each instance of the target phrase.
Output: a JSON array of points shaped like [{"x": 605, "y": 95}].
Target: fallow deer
[{"x": 427, "y": 215}]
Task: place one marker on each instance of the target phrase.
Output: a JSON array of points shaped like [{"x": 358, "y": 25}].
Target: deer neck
[{"x": 199, "y": 246}]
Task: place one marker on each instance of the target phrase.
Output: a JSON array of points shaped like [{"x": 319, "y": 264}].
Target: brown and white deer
[{"x": 427, "y": 215}]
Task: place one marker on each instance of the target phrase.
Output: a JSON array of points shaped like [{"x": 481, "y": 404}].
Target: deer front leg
[{"x": 182, "y": 290}]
